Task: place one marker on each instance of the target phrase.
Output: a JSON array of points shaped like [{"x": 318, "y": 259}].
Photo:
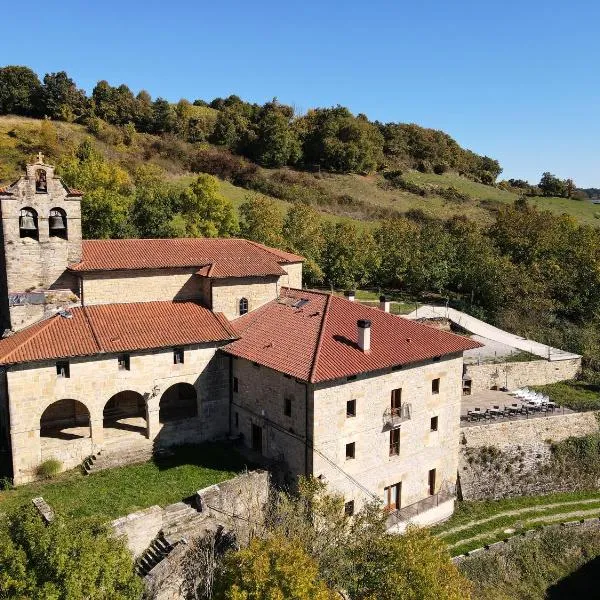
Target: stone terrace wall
[
  {"x": 518, "y": 374},
  {"x": 510, "y": 458}
]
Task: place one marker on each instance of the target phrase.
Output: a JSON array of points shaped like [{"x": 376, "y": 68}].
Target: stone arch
[
  {"x": 57, "y": 223},
  {"x": 28, "y": 223},
  {"x": 179, "y": 401},
  {"x": 65, "y": 419},
  {"x": 125, "y": 411}
]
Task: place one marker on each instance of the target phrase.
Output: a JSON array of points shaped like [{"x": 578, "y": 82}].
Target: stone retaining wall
[
  {"x": 509, "y": 458},
  {"x": 518, "y": 374}
]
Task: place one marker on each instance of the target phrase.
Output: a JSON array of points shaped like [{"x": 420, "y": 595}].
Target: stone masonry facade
[{"x": 311, "y": 438}]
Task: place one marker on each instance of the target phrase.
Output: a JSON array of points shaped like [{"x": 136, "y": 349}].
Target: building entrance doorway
[{"x": 257, "y": 441}]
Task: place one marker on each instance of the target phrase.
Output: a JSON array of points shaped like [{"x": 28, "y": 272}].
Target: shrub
[
  {"x": 49, "y": 468},
  {"x": 6, "y": 483},
  {"x": 440, "y": 168}
]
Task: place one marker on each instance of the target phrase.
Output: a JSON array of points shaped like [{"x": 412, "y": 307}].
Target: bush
[
  {"x": 440, "y": 168},
  {"x": 6, "y": 483},
  {"x": 49, "y": 468}
]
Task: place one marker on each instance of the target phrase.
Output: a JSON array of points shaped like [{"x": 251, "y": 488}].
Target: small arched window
[
  {"x": 243, "y": 306},
  {"x": 57, "y": 223},
  {"x": 28, "y": 223},
  {"x": 41, "y": 183}
]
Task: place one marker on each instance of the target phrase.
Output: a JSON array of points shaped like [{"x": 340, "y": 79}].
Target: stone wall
[
  {"x": 139, "y": 528},
  {"x": 226, "y": 293},
  {"x": 94, "y": 380},
  {"x": 421, "y": 449},
  {"x": 142, "y": 286},
  {"x": 294, "y": 276},
  {"x": 260, "y": 401},
  {"x": 513, "y": 375},
  {"x": 510, "y": 458}
]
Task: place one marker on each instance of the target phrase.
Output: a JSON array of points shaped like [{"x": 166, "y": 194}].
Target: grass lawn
[
  {"x": 116, "y": 492},
  {"x": 577, "y": 395}
]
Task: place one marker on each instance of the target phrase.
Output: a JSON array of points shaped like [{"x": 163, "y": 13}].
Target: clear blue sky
[{"x": 518, "y": 81}]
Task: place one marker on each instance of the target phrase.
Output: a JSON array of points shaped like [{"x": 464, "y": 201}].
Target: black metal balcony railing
[
  {"x": 406, "y": 513},
  {"x": 392, "y": 417}
]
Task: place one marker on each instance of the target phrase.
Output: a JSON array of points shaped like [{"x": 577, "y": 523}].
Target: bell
[
  {"x": 56, "y": 222},
  {"x": 27, "y": 223}
]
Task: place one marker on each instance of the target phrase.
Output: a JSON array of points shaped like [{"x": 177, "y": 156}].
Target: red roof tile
[
  {"x": 116, "y": 328},
  {"x": 318, "y": 340},
  {"x": 224, "y": 257}
]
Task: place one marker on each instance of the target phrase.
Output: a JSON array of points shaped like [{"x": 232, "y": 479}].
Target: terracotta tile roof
[
  {"x": 317, "y": 341},
  {"x": 115, "y": 328},
  {"x": 74, "y": 192},
  {"x": 219, "y": 257}
]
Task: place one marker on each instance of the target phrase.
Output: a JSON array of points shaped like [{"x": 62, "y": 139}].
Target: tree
[
  {"x": 163, "y": 116},
  {"x": 206, "y": 211},
  {"x": 63, "y": 561},
  {"x": 277, "y": 143},
  {"x": 303, "y": 235},
  {"x": 262, "y": 221},
  {"x": 350, "y": 257},
  {"x": 20, "y": 90},
  {"x": 61, "y": 99},
  {"x": 396, "y": 240},
  {"x": 275, "y": 568},
  {"x": 412, "y": 566},
  {"x": 107, "y": 199},
  {"x": 550, "y": 185}
]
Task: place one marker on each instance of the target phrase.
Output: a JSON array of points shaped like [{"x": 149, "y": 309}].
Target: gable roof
[
  {"x": 225, "y": 257},
  {"x": 316, "y": 341},
  {"x": 109, "y": 328}
]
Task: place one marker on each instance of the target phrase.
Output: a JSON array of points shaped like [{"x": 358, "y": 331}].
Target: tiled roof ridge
[
  {"x": 226, "y": 324},
  {"x": 270, "y": 250},
  {"x": 315, "y": 360},
  {"x": 42, "y": 326}
]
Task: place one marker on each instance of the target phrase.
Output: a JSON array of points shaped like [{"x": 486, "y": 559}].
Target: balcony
[{"x": 392, "y": 417}]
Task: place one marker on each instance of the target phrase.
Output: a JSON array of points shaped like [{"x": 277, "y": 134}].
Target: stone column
[
  {"x": 97, "y": 431},
  {"x": 153, "y": 423}
]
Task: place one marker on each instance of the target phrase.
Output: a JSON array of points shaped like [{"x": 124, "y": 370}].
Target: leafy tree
[
  {"x": 206, "y": 211},
  {"x": 277, "y": 568},
  {"x": 277, "y": 143},
  {"x": 303, "y": 235},
  {"x": 396, "y": 240},
  {"x": 107, "y": 199},
  {"x": 163, "y": 116},
  {"x": 144, "y": 112},
  {"x": 63, "y": 561},
  {"x": 262, "y": 221},
  {"x": 338, "y": 141},
  {"x": 350, "y": 257},
  {"x": 61, "y": 99},
  {"x": 550, "y": 185},
  {"x": 412, "y": 566},
  {"x": 20, "y": 90}
]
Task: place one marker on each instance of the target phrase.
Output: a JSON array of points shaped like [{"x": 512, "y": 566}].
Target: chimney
[
  {"x": 350, "y": 295},
  {"x": 384, "y": 304},
  {"x": 364, "y": 334}
]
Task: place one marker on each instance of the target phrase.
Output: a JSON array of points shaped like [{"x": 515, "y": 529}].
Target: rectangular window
[
  {"x": 396, "y": 402},
  {"x": 351, "y": 408},
  {"x": 123, "y": 362},
  {"x": 350, "y": 451},
  {"x": 349, "y": 508},
  {"x": 394, "y": 442},
  {"x": 434, "y": 423},
  {"x": 287, "y": 407},
  {"x": 391, "y": 496},
  {"x": 237, "y": 420},
  {"x": 435, "y": 386},
  {"x": 63, "y": 369},
  {"x": 236, "y": 385},
  {"x": 178, "y": 356}
]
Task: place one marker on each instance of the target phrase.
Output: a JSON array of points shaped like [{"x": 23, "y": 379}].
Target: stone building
[{"x": 118, "y": 345}]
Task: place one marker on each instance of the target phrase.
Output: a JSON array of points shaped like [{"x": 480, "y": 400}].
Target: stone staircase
[
  {"x": 118, "y": 455},
  {"x": 181, "y": 521}
]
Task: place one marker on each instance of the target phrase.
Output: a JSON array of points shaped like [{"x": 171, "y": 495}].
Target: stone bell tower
[{"x": 40, "y": 238}]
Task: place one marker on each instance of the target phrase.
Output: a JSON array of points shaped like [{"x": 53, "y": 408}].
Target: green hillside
[{"x": 362, "y": 195}]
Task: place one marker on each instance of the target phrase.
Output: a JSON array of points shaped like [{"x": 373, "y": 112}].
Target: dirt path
[
  {"x": 547, "y": 519},
  {"x": 518, "y": 511}
]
